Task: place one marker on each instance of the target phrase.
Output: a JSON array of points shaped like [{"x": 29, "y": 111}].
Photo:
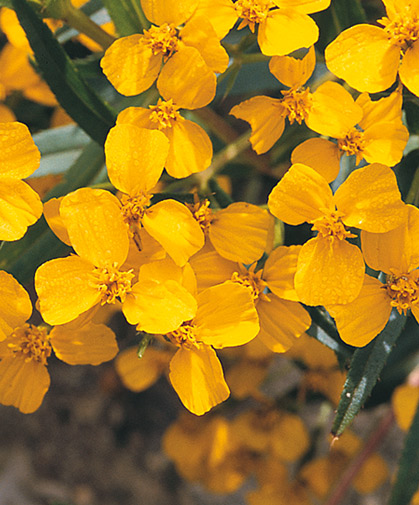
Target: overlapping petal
[
  {"x": 15, "y": 304},
  {"x": 19, "y": 156}
]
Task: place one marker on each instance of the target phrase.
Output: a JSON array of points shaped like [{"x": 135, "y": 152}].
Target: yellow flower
[
  {"x": 368, "y": 57},
  {"x": 190, "y": 54},
  {"x": 405, "y": 401},
  {"x": 19, "y": 157},
  {"x": 396, "y": 253},
  {"x": 330, "y": 269}
]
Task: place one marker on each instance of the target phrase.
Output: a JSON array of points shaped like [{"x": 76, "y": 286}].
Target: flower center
[
  {"x": 165, "y": 114},
  {"x": 353, "y": 143},
  {"x": 252, "y": 12},
  {"x": 203, "y": 214},
  {"x": 184, "y": 336},
  {"x": 251, "y": 280},
  {"x": 296, "y": 103},
  {"x": 111, "y": 283},
  {"x": 403, "y": 289},
  {"x": 30, "y": 343},
  {"x": 332, "y": 226},
  {"x": 162, "y": 39},
  {"x": 133, "y": 209},
  {"x": 403, "y": 30}
]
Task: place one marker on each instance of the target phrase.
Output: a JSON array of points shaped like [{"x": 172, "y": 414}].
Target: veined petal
[
  {"x": 167, "y": 11},
  {"x": 329, "y": 272},
  {"x": 197, "y": 377},
  {"x": 54, "y": 220},
  {"x": 174, "y": 227},
  {"x": 301, "y": 195},
  {"x": 408, "y": 69},
  {"x": 135, "y": 157},
  {"x": 95, "y": 226},
  {"x": 333, "y": 111},
  {"x": 91, "y": 344},
  {"x": 139, "y": 374},
  {"x": 166, "y": 269},
  {"x": 394, "y": 7},
  {"x": 187, "y": 79},
  {"x": 15, "y": 304},
  {"x": 385, "y": 143},
  {"x": 211, "y": 268},
  {"x": 281, "y": 323},
  {"x": 350, "y": 55},
  {"x": 190, "y": 149},
  {"x": 63, "y": 289},
  {"x": 387, "y": 109},
  {"x": 226, "y": 316},
  {"x": 220, "y": 13},
  {"x": 236, "y": 221},
  {"x": 359, "y": 321},
  {"x": 130, "y": 65},
  {"x": 304, "y": 6},
  {"x": 377, "y": 206},
  {"x": 199, "y": 33},
  {"x": 285, "y": 31},
  {"x": 279, "y": 271},
  {"x": 138, "y": 116},
  {"x": 23, "y": 384},
  {"x": 320, "y": 154},
  {"x": 19, "y": 156},
  {"x": 264, "y": 114},
  {"x": 159, "y": 307},
  {"x": 20, "y": 207},
  {"x": 293, "y": 71}
]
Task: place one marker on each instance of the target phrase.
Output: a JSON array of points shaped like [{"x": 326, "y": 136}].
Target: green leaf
[
  {"x": 223, "y": 199},
  {"x": 411, "y": 107},
  {"x": 123, "y": 16},
  {"x": 407, "y": 480},
  {"x": 74, "y": 95},
  {"x": 365, "y": 368}
]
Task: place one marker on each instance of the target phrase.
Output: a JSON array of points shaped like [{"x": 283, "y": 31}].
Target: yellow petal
[
  {"x": 285, "y": 31},
  {"x": 197, "y": 377},
  {"x": 211, "y": 268},
  {"x": 226, "y": 316},
  {"x": 187, "y": 79},
  {"x": 350, "y": 55},
  {"x": 6, "y": 114},
  {"x": 279, "y": 271},
  {"x": 41, "y": 93},
  {"x": 10, "y": 26},
  {"x": 405, "y": 400},
  {"x": 130, "y": 65},
  {"x": 190, "y": 149},
  {"x": 264, "y": 116},
  {"x": 361, "y": 320},
  {"x": 281, "y": 323},
  {"x": 305, "y": 6},
  {"x": 377, "y": 207},
  {"x": 135, "y": 157},
  {"x": 137, "y": 116},
  {"x": 20, "y": 207},
  {"x": 15, "y": 304},
  {"x": 320, "y": 154},
  {"x": 236, "y": 221},
  {"x": 329, "y": 272},
  {"x": 408, "y": 69},
  {"x": 374, "y": 473},
  {"x": 394, "y": 7},
  {"x": 385, "y": 143},
  {"x": 22, "y": 384},
  {"x": 220, "y": 13},
  {"x": 19, "y": 156},
  {"x": 292, "y": 71},
  {"x": 333, "y": 111},
  {"x": 139, "y": 374},
  {"x": 244, "y": 378},
  {"x": 199, "y": 33},
  {"x": 16, "y": 71},
  {"x": 387, "y": 109},
  {"x": 63, "y": 289},
  {"x": 167, "y": 11},
  {"x": 95, "y": 226},
  {"x": 91, "y": 344},
  {"x": 290, "y": 438},
  {"x": 173, "y": 226},
  {"x": 301, "y": 195},
  {"x": 53, "y": 218}
]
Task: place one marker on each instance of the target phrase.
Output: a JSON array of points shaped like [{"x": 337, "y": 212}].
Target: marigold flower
[
  {"x": 368, "y": 57},
  {"x": 330, "y": 269}
]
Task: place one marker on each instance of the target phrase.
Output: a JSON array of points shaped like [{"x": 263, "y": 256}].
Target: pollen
[
  {"x": 252, "y": 12},
  {"x": 203, "y": 214},
  {"x": 403, "y": 289},
  {"x": 297, "y": 104},
  {"x": 185, "y": 336},
  {"x": 251, "y": 280},
  {"x": 403, "y": 29},
  {"x": 111, "y": 283},
  {"x": 133, "y": 207},
  {"x": 30, "y": 343},
  {"x": 353, "y": 143},
  {"x": 331, "y": 226},
  {"x": 165, "y": 114},
  {"x": 162, "y": 39}
]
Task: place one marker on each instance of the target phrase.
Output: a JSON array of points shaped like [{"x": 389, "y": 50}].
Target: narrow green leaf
[
  {"x": 123, "y": 16},
  {"x": 223, "y": 199},
  {"x": 74, "y": 95},
  {"x": 407, "y": 480},
  {"x": 365, "y": 369}
]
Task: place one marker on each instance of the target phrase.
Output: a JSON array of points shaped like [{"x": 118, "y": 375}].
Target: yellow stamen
[
  {"x": 353, "y": 143},
  {"x": 331, "y": 226},
  {"x": 403, "y": 289},
  {"x": 403, "y": 29},
  {"x": 133, "y": 207},
  {"x": 111, "y": 283},
  {"x": 162, "y": 39},
  {"x": 184, "y": 336},
  {"x": 251, "y": 280},
  {"x": 252, "y": 12},
  {"x": 297, "y": 104},
  {"x": 165, "y": 114},
  {"x": 30, "y": 342},
  {"x": 203, "y": 214}
]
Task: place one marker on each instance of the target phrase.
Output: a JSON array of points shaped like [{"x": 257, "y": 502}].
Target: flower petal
[
  {"x": 320, "y": 154},
  {"x": 211, "y": 268},
  {"x": 167, "y": 11},
  {"x": 19, "y": 156},
  {"x": 292, "y": 71},
  {"x": 220, "y": 13},
  {"x": 15, "y": 304},
  {"x": 386, "y": 109},
  {"x": 54, "y": 220},
  {"x": 408, "y": 69},
  {"x": 279, "y": 271},
  {"x": 304, "y": 6},
  {"x": 385, "y": 143}
]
